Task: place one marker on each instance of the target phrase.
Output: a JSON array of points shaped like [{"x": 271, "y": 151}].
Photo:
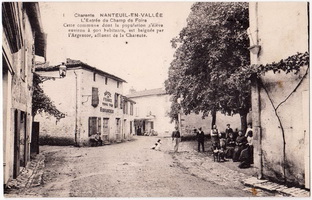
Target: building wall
[
  {"x": 66, "y": 91},
  {"x": 283, "y": 31},
  {"x": 159, "y": 106},
  {"x": 191, "y": 121},
  {"x": 87, "y": 110},
  {"x": 62, "y": 92},
  {"x": 17, "y": 94}
]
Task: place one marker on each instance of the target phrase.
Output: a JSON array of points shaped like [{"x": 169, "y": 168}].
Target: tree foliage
[
  {"x": 212, "y": 46},
  {"x": 41, "y": 102}
]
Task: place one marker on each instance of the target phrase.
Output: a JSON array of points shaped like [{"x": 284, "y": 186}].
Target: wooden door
[
  {"x": 105, "y": 129},
  {"x": 34, "y": 146},
  {"x": 16, "y": 164},
  {"x": 23, "y": 139}
]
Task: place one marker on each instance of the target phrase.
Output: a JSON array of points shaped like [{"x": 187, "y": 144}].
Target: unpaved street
[{"x": 129, "y": 169}]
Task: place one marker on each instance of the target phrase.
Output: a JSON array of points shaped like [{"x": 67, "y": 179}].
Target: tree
[
  {"x": 41, "y": 102},
  {"x": 212, "y": 46}
]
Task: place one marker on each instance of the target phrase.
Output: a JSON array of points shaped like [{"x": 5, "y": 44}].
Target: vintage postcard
[{"x": 155, "y": 99}]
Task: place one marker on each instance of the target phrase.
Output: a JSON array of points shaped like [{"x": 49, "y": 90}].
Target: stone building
[
  {"x": 280, "y": 101},
  {"x": 22, "y": 41},
  {"x": 92, "y": 101},
  {"x": 152, "y": 112}
]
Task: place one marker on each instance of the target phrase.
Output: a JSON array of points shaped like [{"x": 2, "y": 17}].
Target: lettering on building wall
[
  {"x": 107, "y": 99},
  {"x": 106, "y": 110}
]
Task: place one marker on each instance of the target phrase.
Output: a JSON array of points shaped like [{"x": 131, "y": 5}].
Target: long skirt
[
  {"x": 237, "y": 152},
  {"x": 229, "y": 152}
]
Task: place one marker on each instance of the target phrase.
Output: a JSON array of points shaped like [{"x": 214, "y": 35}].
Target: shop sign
[
  {"x": 107, "y": 99},
  {"x": 106, "y": 110}
]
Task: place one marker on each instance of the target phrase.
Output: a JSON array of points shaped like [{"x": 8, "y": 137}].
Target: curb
[
  {"x": 31, "y": 176},
  {"x": 275, "y": 188}
]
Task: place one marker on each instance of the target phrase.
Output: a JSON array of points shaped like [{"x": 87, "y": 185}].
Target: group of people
[{"x": 231, "y": 144}]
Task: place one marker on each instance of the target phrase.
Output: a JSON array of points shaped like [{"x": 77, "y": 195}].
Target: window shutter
[
  {"x": 121, "y": 102},
  {"x": 11, "y": 25},
  {"x": 95, "y": 97},
  {"x": 99, "y": 126},
  {"x": 116, "y": 100}
]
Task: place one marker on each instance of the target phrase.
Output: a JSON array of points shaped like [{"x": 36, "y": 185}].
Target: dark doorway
[
  {"x": 16, "y": 165},
  {"x": 34, "y": 147}
]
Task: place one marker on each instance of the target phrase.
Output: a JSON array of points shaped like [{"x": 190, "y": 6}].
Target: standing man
[
  {"x": 176, "y": 138},
  {"x": 228, "y": 131},
  {"x": 201, "y": 139}
]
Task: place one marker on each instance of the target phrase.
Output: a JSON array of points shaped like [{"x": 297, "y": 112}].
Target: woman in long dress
[
  {"x": 215, "y": 136},
  {"x": 241, "y": 142},
  {"x": 230, "y": 145}
]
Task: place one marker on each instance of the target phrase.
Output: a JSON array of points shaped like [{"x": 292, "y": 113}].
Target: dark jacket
[
  {"x": 176, "y": 134},
  {"x": 200, "y": 136}
]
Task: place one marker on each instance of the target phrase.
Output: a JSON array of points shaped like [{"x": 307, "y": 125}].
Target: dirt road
[{"x": 129, "y": 169}]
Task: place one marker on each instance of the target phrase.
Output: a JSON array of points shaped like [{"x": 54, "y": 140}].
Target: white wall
[
  {"x": 64, "y": 92},
  {"x": 283, "y": 31},
  {"x": 158, "y": 105}
]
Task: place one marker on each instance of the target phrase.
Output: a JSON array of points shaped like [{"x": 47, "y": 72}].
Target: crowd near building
[
  {"x": 92, "y": 101},
  {"x": 23, "y": 41},
  {"x": 152, "y": 115}
]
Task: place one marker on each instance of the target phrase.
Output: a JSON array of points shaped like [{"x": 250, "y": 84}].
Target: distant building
[
  {"x": 152, "y": 113},
  {"x": 92, "y": 101},
  {"x": 280, "y": 30},
  {"x": 22, "y": 40}
]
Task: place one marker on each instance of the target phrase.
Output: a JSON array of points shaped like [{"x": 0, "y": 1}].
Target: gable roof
[
  {"x": 157, "y": 91},
  {"x": 70, "y": 64}
]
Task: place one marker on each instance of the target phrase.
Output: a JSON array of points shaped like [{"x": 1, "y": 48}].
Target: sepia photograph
[{"x": 155, "y": 99}]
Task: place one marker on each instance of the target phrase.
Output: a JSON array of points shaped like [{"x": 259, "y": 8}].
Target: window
[
  {"x": 118, "y": 125},
  {"x": 126, "y": 107},
  {"x": 152, "y": 125},
  {"x": 130, "y": 127},
  {"x": 116, "y": 100},
  {"x": 106, "y": 80},
  {"x": 92, "y": 126},
  {"x": 131, "y": 108},
  {"x": 95, "y": 97},
  {"x": 117, "y": 84},
  {"x": 121, "y": 101},
  {"x": 94, "y": 76}
]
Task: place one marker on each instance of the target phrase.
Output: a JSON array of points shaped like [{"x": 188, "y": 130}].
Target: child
[{"x": 157, "y": 145}]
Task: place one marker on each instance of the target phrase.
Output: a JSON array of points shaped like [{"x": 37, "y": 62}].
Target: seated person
[
  {"x": 240, "y": 144},
  {"x": 222, "y": 149},
  {"x": 95, "y": 140},
  {"x": 246, "y": 156},
  {"x": 230, "y": 145}
]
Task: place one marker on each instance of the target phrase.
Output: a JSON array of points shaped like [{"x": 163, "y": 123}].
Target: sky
[{"x": 142, "y": 62}]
